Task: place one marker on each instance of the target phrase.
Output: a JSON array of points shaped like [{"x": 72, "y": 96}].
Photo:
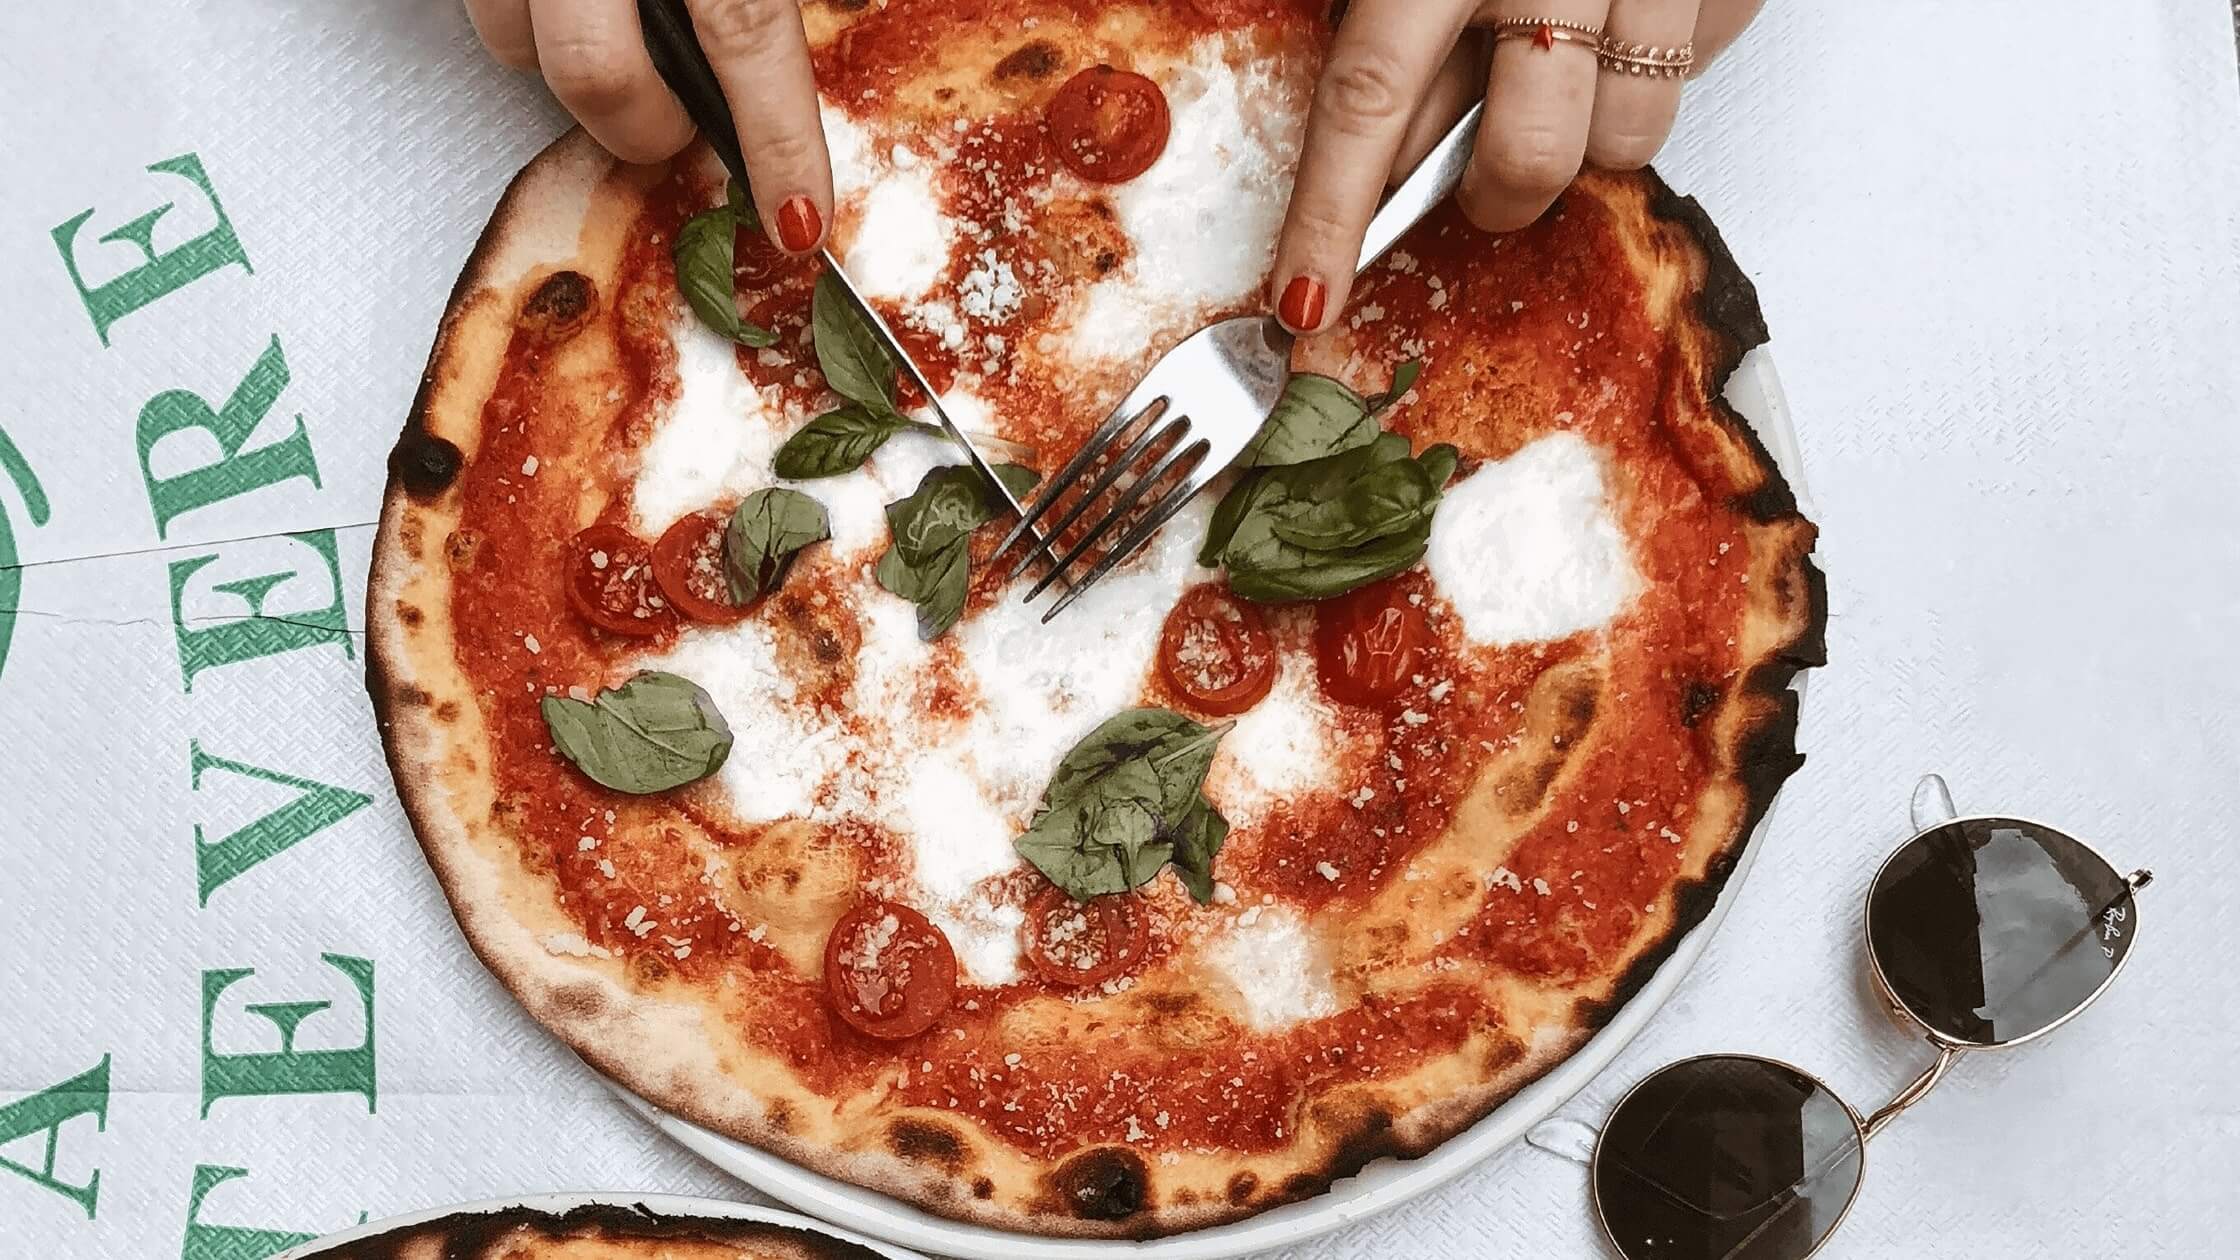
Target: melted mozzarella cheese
[
  {"x": 1203, "y": 219},
  {"x": 1526, "y": 549},
  {"x": 1279, "y": 748},
  {"x": 1276, "y": 966},
  {"x": 737, "y": 666},
  {"x": 901, "y": 245},
  {"x": 716, "y": 440},
  {"x": 1043, "y": 687}
]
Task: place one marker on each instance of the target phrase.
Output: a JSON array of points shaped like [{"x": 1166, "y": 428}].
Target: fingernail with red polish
[
  {"x": 799, "y": 225},
  {"x": 1301, "y": 308}
]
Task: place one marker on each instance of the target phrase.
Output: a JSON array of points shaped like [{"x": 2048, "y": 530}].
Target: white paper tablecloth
[{"x": 1999, "y": 246}]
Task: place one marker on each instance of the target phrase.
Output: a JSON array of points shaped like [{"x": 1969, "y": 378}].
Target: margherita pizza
[
  {"x": 595, "y": 1233},
  {"x": 1355, "y": 802}
]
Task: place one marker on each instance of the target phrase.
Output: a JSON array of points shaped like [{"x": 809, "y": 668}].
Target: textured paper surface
[{"x": 2000, "y": 265}]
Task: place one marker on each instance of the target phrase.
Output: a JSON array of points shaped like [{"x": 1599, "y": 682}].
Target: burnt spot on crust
[
  {"x": 1367, "y": 1136},
  {"x": 926, "y": 1142},
  {"x": 462, "y": 548},
  {"x": 1241, "y": 1187},
  {"x": 448, "y": 711},
  {"x": 424, "y": 464},
  {"x": 1729, "y": 302},
  {"x": 1697, "y": 698},
  {"x": 1106, "y": 1183},
  {"x": 410, "y": 697},
  {"x": 780, "y": 1115},
  {"x": 1038, "y": 59},
  {"x": 409, "y": 614},
  {"x": 560, "y": 305},
  {"x": 982, "y": 1188},
  {"x": 648, "y": 969},
  {"x": 578, "y": 1002}
]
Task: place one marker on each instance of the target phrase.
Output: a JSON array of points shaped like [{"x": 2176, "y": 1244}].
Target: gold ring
[
  {"x": 1647, "y": 60},
  {"x": 1548, "y": 32}
]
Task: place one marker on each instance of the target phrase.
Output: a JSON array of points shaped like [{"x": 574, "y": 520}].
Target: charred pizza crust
[
  {"x": 596, "y": 1233},
  {"x": 542, "y": 276}
]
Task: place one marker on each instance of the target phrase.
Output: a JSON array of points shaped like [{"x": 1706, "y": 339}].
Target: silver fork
[{"x": 1200, "y": 405}]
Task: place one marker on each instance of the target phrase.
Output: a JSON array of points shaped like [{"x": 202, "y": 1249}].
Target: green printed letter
[
  {"x": 230, "y": 1242},
  {"x": 48, "y": 1110},
  {"x": 317, "y": 805},
  {"x": 163, "y": 273},
  {"x": 288, "y": 1070},
  {"x": 233, "y": 471},
  {"x": 258, "y": 633}
]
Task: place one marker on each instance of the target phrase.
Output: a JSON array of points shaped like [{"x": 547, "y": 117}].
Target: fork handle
[{"x": 1425, "y": 187}]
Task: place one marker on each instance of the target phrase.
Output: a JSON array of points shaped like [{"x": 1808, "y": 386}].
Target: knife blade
[{"x": 676, "y": 53}]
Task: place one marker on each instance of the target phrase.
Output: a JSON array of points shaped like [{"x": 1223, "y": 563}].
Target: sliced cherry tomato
[
  {"x": 1075, "y": 943},
  {"x": 889, "y": 971},
  {"x": 610, "y": 583},
  {"x": 688, "y": 566},
  {"x": 1367, "y": 643},
  {"x": 1217, "y": 652},
  {"x": 1109, "y": 125}
]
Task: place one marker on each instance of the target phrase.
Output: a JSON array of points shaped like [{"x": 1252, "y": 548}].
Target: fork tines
[{"x": 1161, "y": 452}]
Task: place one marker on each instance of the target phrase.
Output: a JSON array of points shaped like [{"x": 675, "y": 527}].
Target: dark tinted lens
[
  {"x": 1991, "y": 929},
  {"x": 1726, "y": 1158}
]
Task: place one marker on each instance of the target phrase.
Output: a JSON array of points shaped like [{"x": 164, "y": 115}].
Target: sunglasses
[{"x": 1983, "y": 932}]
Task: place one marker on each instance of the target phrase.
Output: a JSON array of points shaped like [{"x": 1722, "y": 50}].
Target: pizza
[
  {"x": 1361, "y": 797},
  {"x": 594, "y": 1233}
]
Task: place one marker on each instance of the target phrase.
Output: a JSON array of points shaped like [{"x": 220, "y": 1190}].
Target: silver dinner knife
[{"x": 676, "y": 53}]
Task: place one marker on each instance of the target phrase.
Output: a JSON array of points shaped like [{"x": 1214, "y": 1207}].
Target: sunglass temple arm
[{"x": 1913, "y": 1093}]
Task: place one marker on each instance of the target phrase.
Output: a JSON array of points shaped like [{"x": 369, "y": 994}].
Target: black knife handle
[{"x": 676, "y": 53}]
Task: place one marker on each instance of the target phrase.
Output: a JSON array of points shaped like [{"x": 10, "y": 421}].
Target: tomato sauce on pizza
[{"x": 1344, "y": 870}]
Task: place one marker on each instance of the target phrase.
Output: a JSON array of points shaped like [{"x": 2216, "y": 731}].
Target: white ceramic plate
[
  {"x": 664, "y": 1205},
  {"x": 1756, "y": 393}
]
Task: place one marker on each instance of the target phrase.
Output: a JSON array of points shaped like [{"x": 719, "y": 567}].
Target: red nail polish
[
  {"x": 1303, "y": 299},
  {"x": 799, "y": 225}
]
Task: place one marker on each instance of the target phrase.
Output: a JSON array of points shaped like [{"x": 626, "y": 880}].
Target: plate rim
[
  {"x": 1754, "y": 390},
  {"x": 682, "y": 1206}
]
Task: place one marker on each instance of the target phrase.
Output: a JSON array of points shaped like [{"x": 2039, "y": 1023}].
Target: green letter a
[{"x": 49, "y": 1109}]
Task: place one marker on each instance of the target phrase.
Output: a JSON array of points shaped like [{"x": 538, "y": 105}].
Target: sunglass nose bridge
[{"x": 1932, "y": 805}]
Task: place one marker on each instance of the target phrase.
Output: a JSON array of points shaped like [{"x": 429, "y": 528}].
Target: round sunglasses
[{"x": 1983, "y": 932}]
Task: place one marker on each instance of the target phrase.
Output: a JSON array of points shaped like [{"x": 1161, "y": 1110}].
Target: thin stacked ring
[
  {"x": 1548, "y": 32},
  {"x": 1621, "y": 57},
  {"x": 1617, "y": 56}
]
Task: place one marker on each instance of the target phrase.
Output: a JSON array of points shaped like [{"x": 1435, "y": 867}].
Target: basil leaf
[
  {"x": 1152, "y": 753},
  {"x": 928, "y": 559},
  {"x": 1195, "y": 844},
  {"x": 655, "y": 732},
  {"x": 703, "y": 254},
  {"x": 1227, "y": 515},
  {"x": 948, "y": 505},
  {"x": 900, "y": 577},
  {"x": 950, "y": 502},
  {"x": 948, "y": 586},
  {"x": 1017, "y": 478},
  {"x": 1403, "y": 380},
  {"x": 849, "y": 350},
  {"x": 1097, "y": 849},
  {"x": 1276, "y": 572},
  {"x": 1439, "y": 463},
  {"x": 740, "y": 203},
  {"x": 767, "y": 532},
  {"x": 836, "y": 442},
  {"x": 1316, "y": 416},
  {"x": 1384, "y": 501},
  {"x": 1122, "y": 801}
]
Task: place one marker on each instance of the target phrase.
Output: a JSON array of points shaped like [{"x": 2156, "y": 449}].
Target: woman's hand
[
  {"x": 1402, "y": 71},
  {"x": 592, "y": 54}
]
